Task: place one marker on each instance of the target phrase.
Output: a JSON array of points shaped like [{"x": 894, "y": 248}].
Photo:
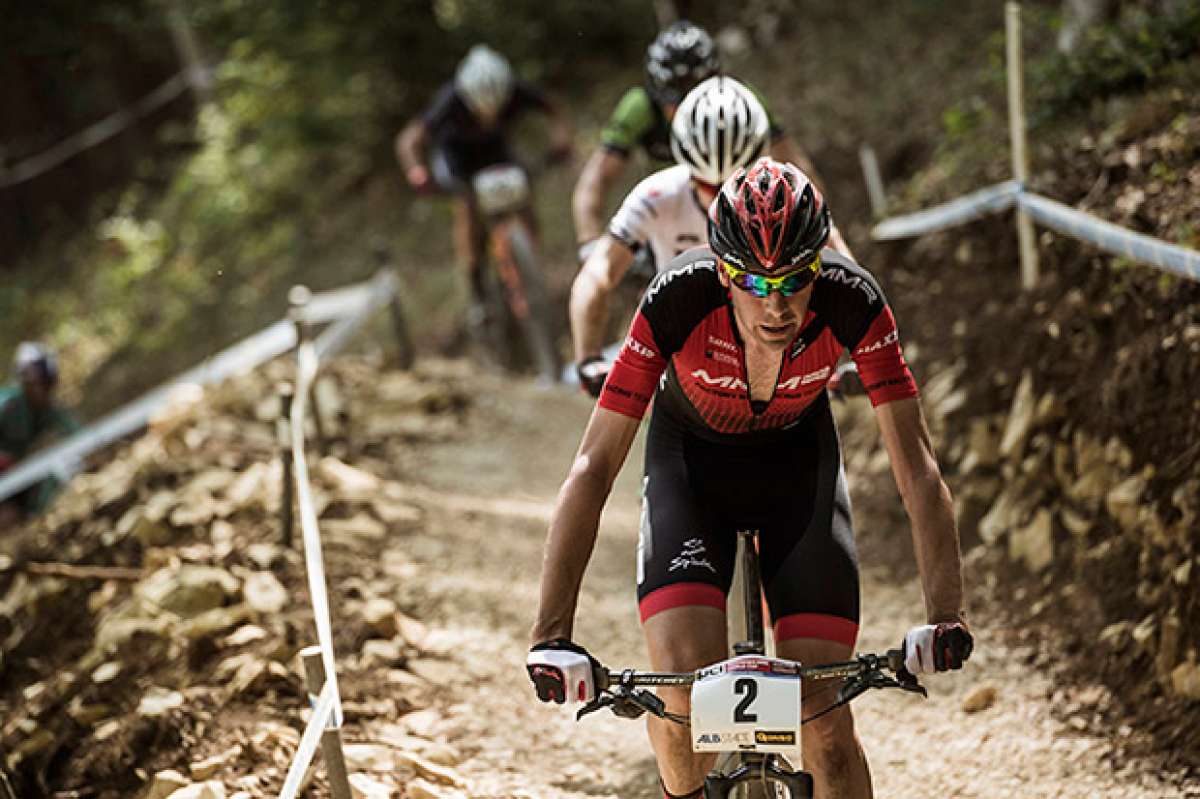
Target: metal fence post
[
  {"x": 1020, "y": 155},
  {"x": 283, "y": 431},
  {"x": 298, "y": 299},
  {"x": 331, "y": 737}
]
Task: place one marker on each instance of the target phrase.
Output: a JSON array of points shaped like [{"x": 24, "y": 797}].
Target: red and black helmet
[{"x": 768, "y": 217}]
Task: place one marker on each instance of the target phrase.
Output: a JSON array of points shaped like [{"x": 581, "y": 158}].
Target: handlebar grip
[{"x": 895, "y": 660}]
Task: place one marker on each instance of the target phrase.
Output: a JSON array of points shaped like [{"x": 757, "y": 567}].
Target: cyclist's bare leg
[
  {"x": 831, "y": 749},
  {"x": 682, "y": 639},
  {"x": 468, "y": 242}
]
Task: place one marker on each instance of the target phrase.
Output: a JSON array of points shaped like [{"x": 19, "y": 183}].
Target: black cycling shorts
[
  {"x": 453, "y": 168},
  {"x": 788, "y": 485}
]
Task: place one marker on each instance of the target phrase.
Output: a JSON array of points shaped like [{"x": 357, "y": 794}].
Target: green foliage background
[{"x": 203, "y": 216}]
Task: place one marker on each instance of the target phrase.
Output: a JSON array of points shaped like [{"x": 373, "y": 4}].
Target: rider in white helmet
[
  {"x": 681, "y": 56},
  {"x": 463, "y": 131},
  {"x": 484, "y": 81},
  {"x": 719, "y": 126}
]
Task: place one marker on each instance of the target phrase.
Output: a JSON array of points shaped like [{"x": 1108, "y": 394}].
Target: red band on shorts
[
  {"x": 816, "y": 625},
  {"x": 679, "y": 595}
]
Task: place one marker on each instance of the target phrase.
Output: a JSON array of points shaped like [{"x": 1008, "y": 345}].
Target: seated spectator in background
[{"x": 27, "y": 412}]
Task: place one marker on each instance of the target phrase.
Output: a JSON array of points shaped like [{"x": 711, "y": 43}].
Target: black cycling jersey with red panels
[{"x": 685, "y": 329}]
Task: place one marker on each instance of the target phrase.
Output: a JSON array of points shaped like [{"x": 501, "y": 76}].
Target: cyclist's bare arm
[
  {"x": 595, "y": 282},
  {"x": 930, "y": 508},
  {"x": 562, "y": 134},
  {"x": 601, "y": 172},
  {"x": 784, "y": 149},
  {"x": 410, "y": 145},
  {"x": 576, "y": 518}
]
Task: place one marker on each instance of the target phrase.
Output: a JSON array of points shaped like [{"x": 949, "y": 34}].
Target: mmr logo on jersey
[
  {"x": 722, "y": 381},
  {"x": 793, "y": 383}
]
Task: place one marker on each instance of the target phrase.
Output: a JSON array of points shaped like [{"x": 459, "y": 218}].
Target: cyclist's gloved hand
[
  {"x": 592, "y": 372},
  {"x": 937, "y": 647},
  {"x": 585, "y": 249},
  {"x": 562, "y": 671}
]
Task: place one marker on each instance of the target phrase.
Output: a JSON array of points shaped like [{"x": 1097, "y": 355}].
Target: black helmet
[
  {"x": 37, "y": 361},
  {"x": 768, "y": 218},
  {"x": 679, "y": 58}
]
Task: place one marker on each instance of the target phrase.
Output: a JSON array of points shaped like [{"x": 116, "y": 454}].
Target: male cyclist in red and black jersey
[{"x": 734, "y": 346}]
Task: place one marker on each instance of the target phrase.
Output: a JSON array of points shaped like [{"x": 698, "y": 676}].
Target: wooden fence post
[
  {"x": 331, "y": 737},
  {"x": 1020, "y": 156},
  {"x": 298, "y": 299},
  {"x": 283, "y": 431}
]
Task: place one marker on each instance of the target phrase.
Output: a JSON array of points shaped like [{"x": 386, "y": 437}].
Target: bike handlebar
[{"x": 892, "y": 660}]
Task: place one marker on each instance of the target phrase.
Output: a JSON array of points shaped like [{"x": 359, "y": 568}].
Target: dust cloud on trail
[{"x": 489, "y": 493}]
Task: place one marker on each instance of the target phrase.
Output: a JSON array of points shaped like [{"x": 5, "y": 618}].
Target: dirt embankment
[{"x": 1069, "y": 417}]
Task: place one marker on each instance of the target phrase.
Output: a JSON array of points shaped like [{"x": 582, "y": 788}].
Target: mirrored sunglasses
[{"x": 788, "y": 285}]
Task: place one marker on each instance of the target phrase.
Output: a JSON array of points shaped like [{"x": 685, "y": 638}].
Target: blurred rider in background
[
  {"x": 28, "y": 411},
  {"x": 719, "y": 127},
  {"x": 678, "y": 59},
  {"x": 464, "y": 130}
]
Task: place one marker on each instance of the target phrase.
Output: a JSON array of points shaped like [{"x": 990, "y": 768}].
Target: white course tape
[
  {"x": 376, "y": 293},
  {"x": 322, "y": 711},
  {"x": 97, "y": 132},
  {"x": 62, "y": 459},
  {"x": 956, "y": 212},
  {"x": 1049, "y": 213},
  {"x": 314, "y": 562},
  {"x": 1112, "y": 238},
  {"x": 58, "y": 459}
]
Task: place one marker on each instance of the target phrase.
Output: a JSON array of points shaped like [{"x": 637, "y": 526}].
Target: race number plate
[
  {"x": 501, "y": 188},
  {"x": 750, "y": 703}
]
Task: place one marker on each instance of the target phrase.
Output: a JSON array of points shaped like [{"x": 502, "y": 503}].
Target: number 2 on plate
[{"x": 748, "y": 687}]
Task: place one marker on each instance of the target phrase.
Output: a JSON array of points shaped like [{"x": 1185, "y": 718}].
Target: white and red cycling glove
[
  {"x": 562, "y": 671},
  {"x": 937, "y": 647}
]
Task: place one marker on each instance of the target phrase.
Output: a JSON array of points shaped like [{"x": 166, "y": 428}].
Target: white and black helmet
[
  {"x": 34, "y": 360},
  {"x": 720, "y": 127},
  {"x": 484, "y": 81}
]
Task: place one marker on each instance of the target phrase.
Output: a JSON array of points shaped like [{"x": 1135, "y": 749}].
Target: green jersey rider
[{"x": 678, "y": 59}]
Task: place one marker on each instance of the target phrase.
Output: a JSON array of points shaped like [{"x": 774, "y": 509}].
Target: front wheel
[{"x": 739, "y": 775}]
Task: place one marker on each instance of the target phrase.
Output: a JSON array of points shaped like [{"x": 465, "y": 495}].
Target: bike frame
[
  {"x": 506, "y": 232},
  {"x": 748, "y": 767}
]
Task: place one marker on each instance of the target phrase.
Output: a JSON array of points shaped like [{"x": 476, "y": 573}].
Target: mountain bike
[
  {"x": 516, "y": 328},
  {"x": 748, "y": 707}
]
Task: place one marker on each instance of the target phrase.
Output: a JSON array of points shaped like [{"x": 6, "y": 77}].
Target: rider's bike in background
[
  {"x": 748, "y": 708},
  {"x": 515, "y": 331}
]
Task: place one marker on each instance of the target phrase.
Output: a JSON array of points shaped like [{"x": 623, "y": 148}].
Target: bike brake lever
[
  {"x": 601, "y": 701},
  {"x": 908, "y": 682}
]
